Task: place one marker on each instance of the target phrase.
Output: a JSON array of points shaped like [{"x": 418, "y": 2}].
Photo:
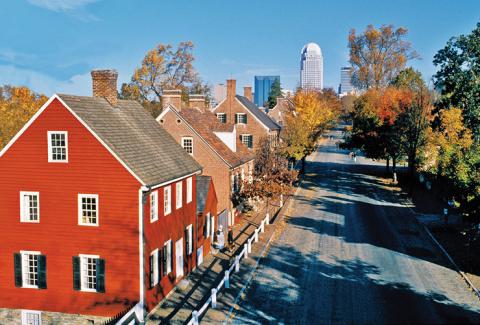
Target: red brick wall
[
  {"x": 210, "y": 207},
  {"x": 91, "y": 170}
]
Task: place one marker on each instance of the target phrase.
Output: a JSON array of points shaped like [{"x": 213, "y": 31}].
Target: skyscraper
[
  {"x": 346, "y": 86},
  {"x": 311, "y": 67},
  {"x": 263, "y": 85}
]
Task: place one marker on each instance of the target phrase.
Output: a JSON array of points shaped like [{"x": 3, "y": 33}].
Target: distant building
[
  {"x": 346, "y": 86},
  {"x": 219, "y": 93},
  {"x": 263, "y": 85},
  {"x": 311, "y": 67}
]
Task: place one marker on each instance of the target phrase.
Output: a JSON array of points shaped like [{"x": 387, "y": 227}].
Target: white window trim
[
  {"x": 79, "y": 203},
  {"x": 156, "y": 277},
  {"x": 208, "y": 221},
  {"x": 238, "y": 118},
  {"x": 190, "y": 239},
  {"x": 221, "y": 114},
  {"x": 189, "y": 189},
  {"x": 178, "y": 198},
  {"x": 187, "y": 138},
  {"x": 50, "y": 160},
  {"x": 23, "y": 217},
  {"x": 244, "y": 136},
  {"x": 168, "y": 243},
  {"x": 154, "y": 209},
  {"x": 22, "y": 253},
  {"x": 167, "y": 208},
  {"x": 35, "y": 312},
  {"x": 82, "y": 280}
]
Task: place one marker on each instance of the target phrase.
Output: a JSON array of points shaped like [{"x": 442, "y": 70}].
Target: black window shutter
[
  {"x": 160, "y": 263},
  {"x": 236, "y": 118},
  {"x": 150, "y": 274},
  {"x": 164, "y": 259},
  {"x": 205, "y": 227},
  {"x": 187, "y": 242},
  {"x": 42, "y": 271},
  {"x": 245, "y": 118},
  {"x": 100, "y": 275},
  {"x": 17, "y": 259},
  {"x": 76, "y": 272}
]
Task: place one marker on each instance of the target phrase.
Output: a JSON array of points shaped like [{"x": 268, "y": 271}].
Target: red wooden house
[
  {"x": 97, "y": 210},
  {"x": 206, "y": 211}
]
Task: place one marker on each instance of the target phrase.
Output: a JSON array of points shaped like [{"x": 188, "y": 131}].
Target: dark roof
[
  {"x": 203, "y": 186},
  {"x": 205, "y": 123},
  {"x": 135, "y": 137},
  {"x": 264, "y": 118}
]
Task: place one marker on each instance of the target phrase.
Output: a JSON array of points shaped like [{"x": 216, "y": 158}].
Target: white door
[
  {"x": 199, "y": 255},
  {"x": 179, "y": 257}
]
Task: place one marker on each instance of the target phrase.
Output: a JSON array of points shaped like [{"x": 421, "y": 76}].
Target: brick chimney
[
  {"x": 197, "y": 101},
  {"x": 247, "y": 92},
  {"x": 173, "y": 97},
  {"x": 104, "y": 83},
  {"x": 231, "y": 88}
]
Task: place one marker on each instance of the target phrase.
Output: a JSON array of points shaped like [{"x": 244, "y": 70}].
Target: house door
[{"x": 179, "y": 257}]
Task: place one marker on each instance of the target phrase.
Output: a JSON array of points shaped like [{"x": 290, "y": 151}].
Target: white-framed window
[
  {"x": 88, "y": 272},
  {"x": 240, "y": 118},
  {"x": 167, "y": 200},
  {"x": 247, "y": 139},
  {"x": 154, "y": 276},
  {"x": 222, "y": 117},
  {"x": 57, "y": 146},
  {"x": 189, "y": 239},
  {"x": 178, "y": 195},
  {"x": 29, "y": 269},
  {"x": 189, "y": 189},
  {"x": 206, "y": 230},
  {"x": 167, "y": 257},
  {"x": 88, "y": 209},
  {"x": 187, "y": 144},
  {"x": 31, "y": 317},
  {"x": 153, "y": 206},
  {"x": 29, "y": 206}
]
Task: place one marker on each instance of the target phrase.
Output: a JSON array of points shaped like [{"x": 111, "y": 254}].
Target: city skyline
[{"x": 93, "y": 35}]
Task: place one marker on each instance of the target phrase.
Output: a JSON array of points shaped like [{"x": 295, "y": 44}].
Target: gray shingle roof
[
  {"x": 203, "y": 186},
  {"x": 264, "y": 118},
  {"x": 135, "y": 137}
]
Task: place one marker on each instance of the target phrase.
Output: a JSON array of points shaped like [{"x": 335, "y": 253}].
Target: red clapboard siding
[
  {"x": 91, "y": 170},
  {"x": 171, "y": 226},
  {"x": 210, "y": 207}
]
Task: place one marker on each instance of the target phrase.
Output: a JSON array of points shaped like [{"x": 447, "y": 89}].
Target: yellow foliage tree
[{"x": 17, "y": 106}]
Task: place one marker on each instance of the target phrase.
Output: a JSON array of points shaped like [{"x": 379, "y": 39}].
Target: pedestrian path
[{"x": 178, "y": 306}]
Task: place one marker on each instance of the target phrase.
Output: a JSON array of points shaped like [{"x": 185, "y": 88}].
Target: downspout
[{"x": 141, "y": 193}]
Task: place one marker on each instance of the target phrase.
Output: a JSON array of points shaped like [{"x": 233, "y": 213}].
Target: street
[{"x": 353, "y": 253}]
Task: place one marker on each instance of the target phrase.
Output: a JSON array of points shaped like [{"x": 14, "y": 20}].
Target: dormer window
[
  {"x": 222, "y": 117},
  {"x": 240, "y": 118},
  {"x": 57, "y": 146}
]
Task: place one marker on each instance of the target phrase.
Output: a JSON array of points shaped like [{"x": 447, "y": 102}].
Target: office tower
[
  {"x": 311, "y": 67},
  {"x": 263, "y": 85}
]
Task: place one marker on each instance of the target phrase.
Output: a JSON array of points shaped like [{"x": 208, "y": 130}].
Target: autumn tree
[
  {"x": 164, "y": 67},
  {"x": 378, "y": 55},
  {"x": 275, "y": 92},
  {"x": 17, "y": 106},
  {"x": 458, "y": 77}
]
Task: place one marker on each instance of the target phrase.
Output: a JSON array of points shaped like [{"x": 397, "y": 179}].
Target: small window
[
  {"x": 222, "y": 117},
  {"x": 178, "y": 196},
  {"x": 88, "y": 209},
  {"x": 167, "y": 257},
  {"x": 187, "y": 144},
  {"x": 247, "y": 139},
  {"x": 153, "y": 206},
  {"x": 154, "y": 276},
  {"x": 189, "y": 239},
  {"x": 240, "y": 118},
  {"x": 206, "y": 229},
  {"x": 88, "y": 271},
  {"x": 167, "y": 200},
  {"x": 189, "y": 189},
  {"x": 57, "y": 146},
  {"x": 30, "y": 269},
  {"x": 29, "y": 207},
  {"x": 31, "y": 317}
]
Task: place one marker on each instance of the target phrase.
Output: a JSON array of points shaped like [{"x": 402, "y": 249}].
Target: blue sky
[{"x": 51, "y": 45}]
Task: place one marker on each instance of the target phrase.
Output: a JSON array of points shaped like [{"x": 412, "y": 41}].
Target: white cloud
[
  {"x": 11, "y": 56},
  {"x": 41, "y": 83},
  {"x": 61, "y": 5}
]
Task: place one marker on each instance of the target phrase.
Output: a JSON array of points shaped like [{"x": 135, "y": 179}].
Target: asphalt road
[{"x": 351, "y": 253}]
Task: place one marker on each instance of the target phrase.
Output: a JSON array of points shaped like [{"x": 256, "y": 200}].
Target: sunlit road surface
[{"x": 351, "y": 253}]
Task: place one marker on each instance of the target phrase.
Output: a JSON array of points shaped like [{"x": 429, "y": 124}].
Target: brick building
[
  {"x": 251, "y": 123},
  {"x": 214, "y": 145},
  {"x": 98, "y": 211},
  {"x": 284, "y": 107},
  {"x": 206, "y": 212}
]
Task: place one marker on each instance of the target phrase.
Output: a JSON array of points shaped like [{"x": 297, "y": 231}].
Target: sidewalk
[{"x": 178, "y": 306}]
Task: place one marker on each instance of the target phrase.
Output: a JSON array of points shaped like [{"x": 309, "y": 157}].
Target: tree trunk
[
  {"x": 394, "y": 164},
  {"x": 302, "y": 171},
  {"x": 388, "y": 164}
]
